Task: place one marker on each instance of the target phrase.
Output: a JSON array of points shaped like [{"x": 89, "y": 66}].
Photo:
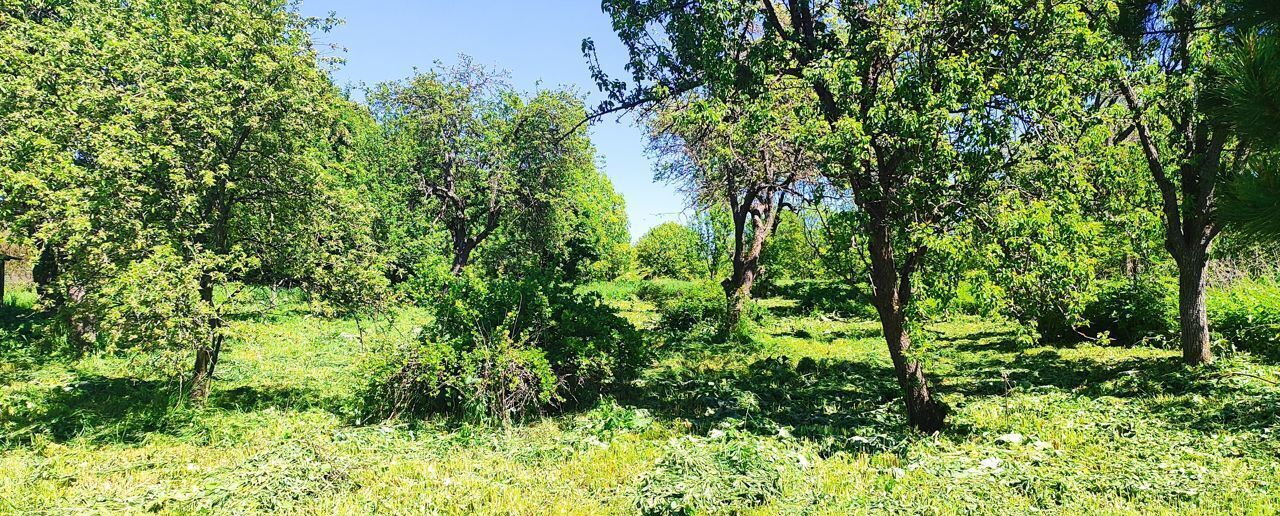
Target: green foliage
[
  {"x": 789, "y": 252},
  {"x": 729, "y": 471},
  {"x": 479, "y": 172},
  {"x": 1247, "y": 316},
  {"x": 1132, "y": 311},
  {"x": 670, "y": 250},
  {"x": 599, "y": 236},
  {"x": 192, "y": 141},
  {"x": 499, "y": 350},
  {"x": 694, "y": 313},
  {"x": 808, "y": 426}
]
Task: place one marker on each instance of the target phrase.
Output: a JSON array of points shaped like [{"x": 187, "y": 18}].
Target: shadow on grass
[
  {"x": 97, "y": 408},
  {"x": 842, "y": 404},
  {"x": 105, "y": 410},
  {"x": 30, "y": 338},
  {"x": 255, "y": 398},
  {"x": 855, "y": 405}
]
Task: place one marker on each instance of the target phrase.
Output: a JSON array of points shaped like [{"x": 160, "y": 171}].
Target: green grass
[{"x": 807, "y": 421}]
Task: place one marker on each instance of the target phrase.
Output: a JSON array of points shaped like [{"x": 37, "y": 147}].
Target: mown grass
[{"x": 806, "y": 420}]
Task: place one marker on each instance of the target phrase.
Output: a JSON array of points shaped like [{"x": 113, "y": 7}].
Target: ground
[{"x": 806, "y": 420}]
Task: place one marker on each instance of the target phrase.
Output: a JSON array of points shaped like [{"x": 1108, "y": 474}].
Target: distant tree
[
  {"x": 598, "y": 234},
  {"x": 670, "y": 250},
  {"x": 744, "y": 157},
  {"x": 714, "y": 226},
  {"x": 479, "y": 156}
]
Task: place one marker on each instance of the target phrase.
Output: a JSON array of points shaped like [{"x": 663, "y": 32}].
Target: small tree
[
  {"x": 745, "y": 157},
  {"x": 670, "y": 250},
  {"x": 1166, "y": 58},
  {"x": 478, "y": 155},
  {"x": 192, "y": 152}
]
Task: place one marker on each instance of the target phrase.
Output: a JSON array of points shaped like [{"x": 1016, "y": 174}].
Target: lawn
[{"x": 805, "y": 420}]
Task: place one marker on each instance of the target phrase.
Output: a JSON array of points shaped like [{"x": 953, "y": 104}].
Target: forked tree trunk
[
  {"x": 892, "y": 293},
  {"x": 1193, "y": 318},
  {"x": 763, "y": 215}
]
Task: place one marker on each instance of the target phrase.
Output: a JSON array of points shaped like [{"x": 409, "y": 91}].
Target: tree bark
[
  {"x": 737, "y": 291},
  {"x": 206, "y": 356},
  {"x": 763, "y": 215},
  {"x": 892, "y": 293},
  {"x": 1193, "y": 318},
  {"x": 461, "y": 257}
]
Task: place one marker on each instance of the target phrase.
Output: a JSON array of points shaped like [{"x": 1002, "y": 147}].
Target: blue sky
[{"x": 538, "y": 42}]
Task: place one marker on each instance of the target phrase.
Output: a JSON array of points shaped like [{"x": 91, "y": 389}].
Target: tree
[
  {"x": 745, "y": 157},
  {"x": 480, "y": 156},
  {"x": 1166, "y": 56},
  {"x": 598, "y": 233},
  {"x": 192, "y": 151},
  {"x": 670, "y": 250},
  {"x": 916, "y": 106}
]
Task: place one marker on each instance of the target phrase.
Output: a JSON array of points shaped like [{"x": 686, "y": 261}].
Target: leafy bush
[
  {"x": 694, "y": 313},
  {"x": 824, "y": 296},
  {"x": 725, "y": 472},
  {"x": 671, "y": 250},
  {"x": 1247, "y": 315},
  {"x": 1128, "y": 312},
  {"x": 662, "y": 290},
  {"x": 500, "y": 349}
]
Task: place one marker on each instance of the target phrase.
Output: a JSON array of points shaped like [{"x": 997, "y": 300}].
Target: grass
[{"x": 808, "y": 420}]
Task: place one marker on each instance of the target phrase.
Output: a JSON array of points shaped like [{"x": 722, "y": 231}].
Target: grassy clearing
[{"x": 808, "y": 420}]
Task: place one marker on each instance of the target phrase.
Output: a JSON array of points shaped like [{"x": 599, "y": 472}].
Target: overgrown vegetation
[
  {"x": 243, "y": 289},
  {"x": 805, "y": 422}
]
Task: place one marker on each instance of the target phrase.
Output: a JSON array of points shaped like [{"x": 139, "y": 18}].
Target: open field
[{"x": 809, "y": 421}]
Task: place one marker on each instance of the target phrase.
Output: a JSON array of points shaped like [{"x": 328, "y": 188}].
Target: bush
[
  {"x": 661, "y": 290},
  {"x": 694, "y": 313},
  {"x": 824, "y": 296},
  {"x": 671, "y": 250},
  {"x": 1247, "y": 315},
  {"x": 498, "y": 350},
  {"x": 1129, "y": 312}
]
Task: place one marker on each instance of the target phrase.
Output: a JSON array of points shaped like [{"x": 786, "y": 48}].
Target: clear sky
[{"x": 538, "y": 41}]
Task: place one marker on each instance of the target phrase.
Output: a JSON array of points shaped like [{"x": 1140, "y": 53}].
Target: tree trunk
[
  {"x": 1193, "y": 318},
  {"x": 737, "y": 291},
  {"x": 461, "y": 257},
  {"x": 891, "y": 295},
  {"x": 206, "y": 356},
  {"x": 746, "y": 264}
]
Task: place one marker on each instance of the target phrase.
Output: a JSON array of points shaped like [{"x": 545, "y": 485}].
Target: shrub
[
  {"x": 1247, "y": 315},
  {"x": 662, "y": 290},
  {"x": 500, "y": 349},
  {"x": 671, "y": 250},
  {"x": 825, "y": 296},
  {"x": 1129, "y": 312},
  {"x": 695, "y": 313}
]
